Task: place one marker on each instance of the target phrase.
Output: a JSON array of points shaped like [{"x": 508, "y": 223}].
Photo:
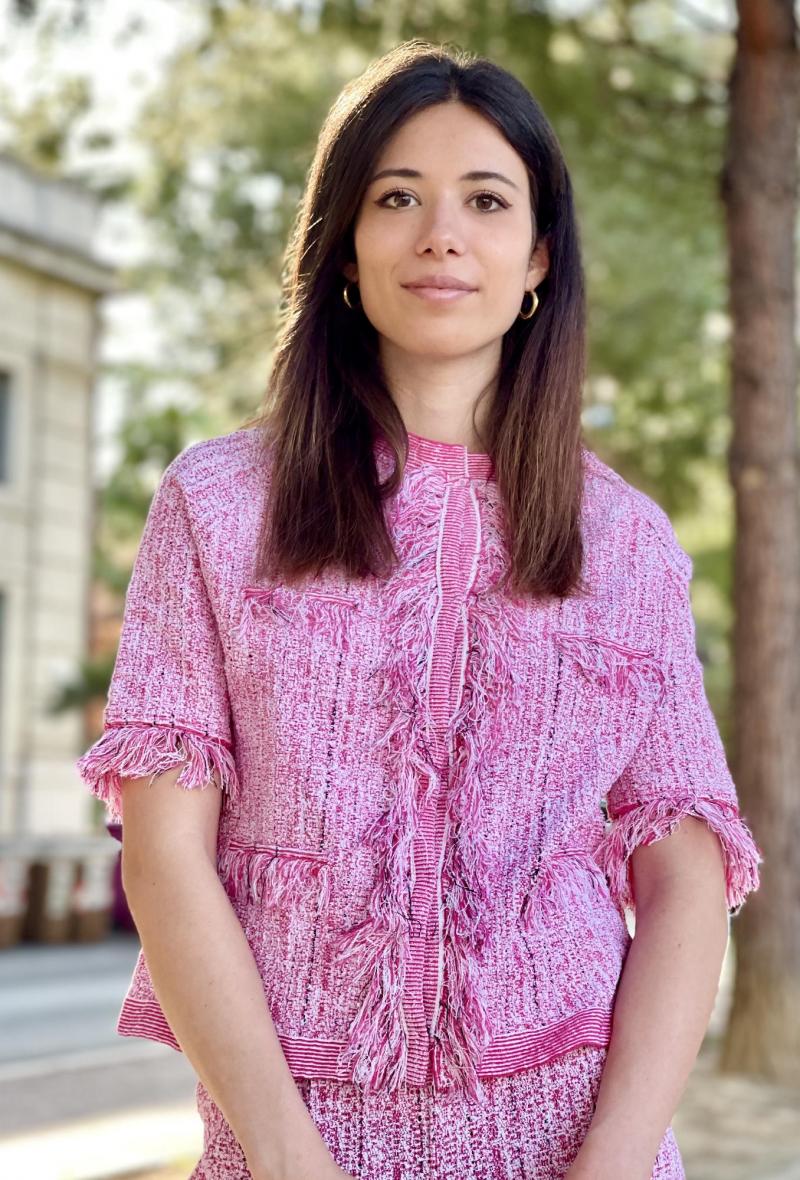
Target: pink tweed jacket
[{"x": 431, "y": 790}]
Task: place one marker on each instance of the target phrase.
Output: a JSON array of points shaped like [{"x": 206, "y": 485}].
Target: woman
[{"x": 420, "y": 671}]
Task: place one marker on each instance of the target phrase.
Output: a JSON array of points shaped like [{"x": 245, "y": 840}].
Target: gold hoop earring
[
  {"x": 526, "y": 315},
  {"x": 346, "y": 296}
]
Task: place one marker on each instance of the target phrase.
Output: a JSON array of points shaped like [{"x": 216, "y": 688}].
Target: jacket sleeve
[
  {"x": 167, "y": 701},
  {"x": 679, "y": 766}
]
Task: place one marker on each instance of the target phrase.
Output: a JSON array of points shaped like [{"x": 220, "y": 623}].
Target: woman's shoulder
[
  {"x": 212, "y": 462},
  {"x": 216, "y": 482},
  {"x": 611, "y": 502}
]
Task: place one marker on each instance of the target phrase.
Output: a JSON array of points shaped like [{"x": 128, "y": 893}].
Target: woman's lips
[{"x": 440, "y": 294}]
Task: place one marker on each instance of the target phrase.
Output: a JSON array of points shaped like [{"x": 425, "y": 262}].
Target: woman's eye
[
  {"x": 396, "y": 192},
  {"x": 491, "y": 197},
  {"x": 399, "y": 192}
]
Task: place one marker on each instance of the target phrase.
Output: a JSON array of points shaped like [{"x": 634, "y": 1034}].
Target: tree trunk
[{"x": 759, "y": 190}]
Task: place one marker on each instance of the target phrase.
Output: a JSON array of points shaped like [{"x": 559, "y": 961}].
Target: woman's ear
[{"x": 540, "y": 262}]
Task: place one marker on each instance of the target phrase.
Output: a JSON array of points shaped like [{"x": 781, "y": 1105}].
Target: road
[{"x": 78, "y": 1101}]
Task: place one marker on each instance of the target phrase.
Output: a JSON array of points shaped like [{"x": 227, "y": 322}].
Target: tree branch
[{"x": 628, "y": 40}]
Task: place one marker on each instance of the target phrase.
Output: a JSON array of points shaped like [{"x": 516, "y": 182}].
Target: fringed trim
[
  {"x": 614, "y": 667},
  {"x": 461, "y": 1026},
  {"x": 560, "y": 887},
  {"x": 494, "y": 563},
  {"x": 644, "y": 823},
  {"x": 376, "y": 1051},
  {"x": 327, "y": 611},
  {"x": 135, "y": 749},
  {"x": 257, "y": 602},
  {"x": 273, "y": 875}
]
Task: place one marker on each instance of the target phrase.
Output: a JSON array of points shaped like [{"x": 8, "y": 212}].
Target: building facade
[{"x": 51, "y": 286}]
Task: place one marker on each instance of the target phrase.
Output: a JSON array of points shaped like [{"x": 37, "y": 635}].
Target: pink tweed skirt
[{"x": 531, "y": 1128}]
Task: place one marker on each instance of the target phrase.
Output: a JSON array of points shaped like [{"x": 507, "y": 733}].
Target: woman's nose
[{"x": 441, "y": 230}]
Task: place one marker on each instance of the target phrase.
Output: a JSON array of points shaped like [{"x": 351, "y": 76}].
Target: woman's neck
[{"x": 436, "y": 396}]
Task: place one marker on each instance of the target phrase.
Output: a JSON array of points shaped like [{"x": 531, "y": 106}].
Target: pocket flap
[{"x": 614, "y": 667}]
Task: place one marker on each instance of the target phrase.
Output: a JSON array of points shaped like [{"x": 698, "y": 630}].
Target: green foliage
[
  {"x": 637, "y": 97},
  {"x": 643, "y": 143}
]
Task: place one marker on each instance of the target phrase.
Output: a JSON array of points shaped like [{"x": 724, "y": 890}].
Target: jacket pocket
[
  {"x": 273, "y": 875},
  {"x": 611, "y": 666},
  {"x": 327, "y": 611},
  {"x": 565, "y": 882},
  {"x": 571, "y": 934}
]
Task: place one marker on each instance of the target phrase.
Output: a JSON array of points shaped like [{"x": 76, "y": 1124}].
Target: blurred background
[{"x": 152, "y": 154}]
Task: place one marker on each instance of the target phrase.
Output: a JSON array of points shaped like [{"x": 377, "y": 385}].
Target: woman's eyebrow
[{"x": 413, "y": 173}]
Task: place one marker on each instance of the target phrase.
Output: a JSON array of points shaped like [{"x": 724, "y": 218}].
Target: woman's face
[{"x": 444, "y": 222}]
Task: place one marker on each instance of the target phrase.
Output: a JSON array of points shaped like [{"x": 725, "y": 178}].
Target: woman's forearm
[
  {"x": 209, "y": 988},
  {"x": 662, "y": 1008}
]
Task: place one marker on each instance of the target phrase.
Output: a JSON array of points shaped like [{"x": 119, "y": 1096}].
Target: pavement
[
  {"x": 731, "y": 1127},
  {"x": 78, "y": 1102}
]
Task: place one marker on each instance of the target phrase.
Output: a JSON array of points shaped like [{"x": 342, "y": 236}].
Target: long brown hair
[{"x": 326, "y": 397}]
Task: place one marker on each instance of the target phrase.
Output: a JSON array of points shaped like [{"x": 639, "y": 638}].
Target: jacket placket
[
  {"x": 457, "y": 559},
  {"x": 421, "y": 1016}
]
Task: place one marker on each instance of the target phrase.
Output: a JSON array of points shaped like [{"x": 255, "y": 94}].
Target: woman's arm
[
  {"x": 206, "y": 978},
  {"x": 664, "y": 1001}
]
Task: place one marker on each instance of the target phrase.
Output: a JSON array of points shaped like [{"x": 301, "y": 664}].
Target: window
[{"x": 5, "y": 425}]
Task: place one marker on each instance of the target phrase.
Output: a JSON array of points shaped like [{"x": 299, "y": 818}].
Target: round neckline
[{"x": 451, "y": 459}]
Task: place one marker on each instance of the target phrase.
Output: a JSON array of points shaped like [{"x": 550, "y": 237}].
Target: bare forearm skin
[
  {"x": 663, "y": 1005},
  {"x": 209, "y": 988}
]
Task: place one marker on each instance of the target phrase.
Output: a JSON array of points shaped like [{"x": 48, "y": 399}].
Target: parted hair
[{"x": 326, "y": 397}]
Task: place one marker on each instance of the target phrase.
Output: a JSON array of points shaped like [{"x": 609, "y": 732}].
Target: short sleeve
[
  {"x": 167, "y": 701},
  {"x": 679, "y": 766}
]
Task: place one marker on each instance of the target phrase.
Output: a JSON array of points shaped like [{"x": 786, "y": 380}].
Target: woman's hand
[
  {"x": 582, "y": 1169},
  {"x": 326, "y": 1169},
  {"x": 331, "y": 1171},
  {"x": 592, "y": 1163},
  {"x": 290, "y": 1146},
  {"x": 304, "y": 1156}
]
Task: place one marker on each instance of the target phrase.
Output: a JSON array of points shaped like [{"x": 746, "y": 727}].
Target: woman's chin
[{"x": 436, "y": 343}]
